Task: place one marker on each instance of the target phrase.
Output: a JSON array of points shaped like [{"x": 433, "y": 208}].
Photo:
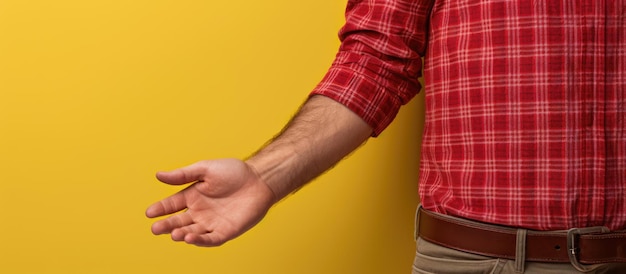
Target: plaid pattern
[{"x": 525, "y": 104}]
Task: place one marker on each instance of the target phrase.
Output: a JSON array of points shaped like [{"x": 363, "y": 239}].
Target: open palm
[{"x": 225, "y": 199}]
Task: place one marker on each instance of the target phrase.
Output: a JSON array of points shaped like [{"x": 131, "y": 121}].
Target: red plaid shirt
[{"x": 525, "y": 103}]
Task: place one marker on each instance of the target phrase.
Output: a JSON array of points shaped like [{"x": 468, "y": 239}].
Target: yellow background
[{"x": 95, "y": 96}]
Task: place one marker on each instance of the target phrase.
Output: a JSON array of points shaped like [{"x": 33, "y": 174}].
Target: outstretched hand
[{"x": 225, "y": 199}]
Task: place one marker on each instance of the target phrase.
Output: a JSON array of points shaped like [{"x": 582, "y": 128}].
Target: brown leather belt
[{"x": 578, "y": 246}]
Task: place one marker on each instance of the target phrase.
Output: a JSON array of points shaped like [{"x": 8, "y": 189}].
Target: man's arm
[
  {"x": 374, "y": 73},
  {"x": 319, "y": 136},
  {"x": 230, "y": 196}
]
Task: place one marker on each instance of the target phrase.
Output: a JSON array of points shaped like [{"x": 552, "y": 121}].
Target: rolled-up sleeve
[{"x": 377, "y": 67}]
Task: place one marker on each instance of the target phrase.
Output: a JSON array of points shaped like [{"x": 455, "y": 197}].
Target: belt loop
[
  {"x": 416, "y": 230},
  {"x": 520, "y": 251}
]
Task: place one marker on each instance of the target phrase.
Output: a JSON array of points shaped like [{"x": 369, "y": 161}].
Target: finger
[
  {"x": 209, "y": 239},
  {"x": 171, "y": 223},
  {"x": 169, "y": 205},
  {"x": 180, "y": 233},
  {"x": 192, "y": 173}
]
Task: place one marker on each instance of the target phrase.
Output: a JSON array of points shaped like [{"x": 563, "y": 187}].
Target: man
[{"x": 523, "y": 158}]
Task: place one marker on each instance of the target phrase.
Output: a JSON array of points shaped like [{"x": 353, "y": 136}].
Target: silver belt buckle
[{"x": 573, "y": 250}]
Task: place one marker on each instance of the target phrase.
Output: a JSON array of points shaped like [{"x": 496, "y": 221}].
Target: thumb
[{"x": 184, "y": 175}]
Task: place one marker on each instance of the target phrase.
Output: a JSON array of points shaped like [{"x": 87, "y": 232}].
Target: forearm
[{"x": 320, "y": 135}]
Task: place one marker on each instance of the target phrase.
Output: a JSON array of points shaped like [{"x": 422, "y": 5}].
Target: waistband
[{"x": 591, "y": 245}]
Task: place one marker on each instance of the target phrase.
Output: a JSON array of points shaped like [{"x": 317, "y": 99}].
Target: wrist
[{"x": 273, "y": 170}]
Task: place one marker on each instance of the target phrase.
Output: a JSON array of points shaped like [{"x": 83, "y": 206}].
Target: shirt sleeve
[{"x": 379, "y": 61}]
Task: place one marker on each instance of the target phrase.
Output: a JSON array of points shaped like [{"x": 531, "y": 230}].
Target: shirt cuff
[{"x": 356, "y": 81}]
